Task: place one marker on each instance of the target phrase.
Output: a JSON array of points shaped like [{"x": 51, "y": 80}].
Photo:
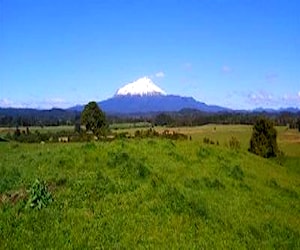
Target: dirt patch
[{"x": 13, "y": 197}]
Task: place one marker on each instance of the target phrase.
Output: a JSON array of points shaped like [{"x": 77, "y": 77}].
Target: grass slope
[{"x": 148, "y": 193}]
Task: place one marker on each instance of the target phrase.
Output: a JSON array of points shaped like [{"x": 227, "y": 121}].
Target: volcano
[{"x": 143, "y": 96}]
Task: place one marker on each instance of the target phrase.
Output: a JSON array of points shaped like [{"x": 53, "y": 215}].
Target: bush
[
  {"x": 39, "y": 196},
  {"x": 263, "y": 140}
]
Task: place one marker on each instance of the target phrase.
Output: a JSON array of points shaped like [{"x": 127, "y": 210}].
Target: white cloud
[
  {"x": 39, "y": 104},
  {"x": 160, "y": 74},
  {"x": 7, "y": 103},
  {"x": 291, "y": 98},
  {"x": 266, "y": 99},
  {"x": 261, "y": 98}
]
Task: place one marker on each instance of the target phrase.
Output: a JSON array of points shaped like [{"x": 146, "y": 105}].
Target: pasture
[{"x": 153, "y": 193}]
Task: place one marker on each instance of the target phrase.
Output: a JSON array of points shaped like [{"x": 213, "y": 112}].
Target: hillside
[{"x": 152, "y": 193}]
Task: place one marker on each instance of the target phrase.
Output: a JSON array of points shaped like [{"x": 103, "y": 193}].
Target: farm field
[{"x": 153, "y": 193}]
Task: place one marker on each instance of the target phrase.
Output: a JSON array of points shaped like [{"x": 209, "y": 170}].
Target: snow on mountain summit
[{"x": 142, "y": 86}]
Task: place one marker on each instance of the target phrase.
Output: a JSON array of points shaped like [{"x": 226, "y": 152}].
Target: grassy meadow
[{"x": 153, "y": 193}]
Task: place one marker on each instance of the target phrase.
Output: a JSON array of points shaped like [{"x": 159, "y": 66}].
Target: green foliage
[
  {"x": 152, "y": 193},
  {"x": 263, "y": 140},
  {"x": 93, "y": 118},
  {"x": 39, "y": 196}
]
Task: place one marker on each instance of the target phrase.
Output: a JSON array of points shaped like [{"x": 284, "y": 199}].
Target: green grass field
[{"x": 153, "y": 193}]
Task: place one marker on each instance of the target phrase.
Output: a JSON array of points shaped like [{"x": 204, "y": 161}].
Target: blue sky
[{"x": 233, "y": 53}]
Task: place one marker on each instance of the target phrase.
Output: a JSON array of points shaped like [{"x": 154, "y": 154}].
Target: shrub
[
  {"x": 263, "y": 140},
  {"x": 39, "y": 196}
]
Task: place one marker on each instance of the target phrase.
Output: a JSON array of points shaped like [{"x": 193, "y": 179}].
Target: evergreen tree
[{"x": 263, "y": 140}]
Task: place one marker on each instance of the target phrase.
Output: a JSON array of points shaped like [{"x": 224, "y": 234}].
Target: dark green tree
[
  {"x": 93, "y": 118},
  {"x": 263, "y": 140}
]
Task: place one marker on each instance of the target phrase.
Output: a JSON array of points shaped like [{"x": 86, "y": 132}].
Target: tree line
[{"x": 185, "y": 117}]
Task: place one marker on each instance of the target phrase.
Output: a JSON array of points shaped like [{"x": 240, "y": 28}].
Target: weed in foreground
[{"x": 39, "y": 196}]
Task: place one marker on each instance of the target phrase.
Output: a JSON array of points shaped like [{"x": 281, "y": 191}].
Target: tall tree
[
  {"x": 263, "y": 140},
  {"x": 93, "y": 118}
]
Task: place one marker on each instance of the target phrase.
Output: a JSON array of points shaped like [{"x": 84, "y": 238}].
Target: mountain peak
[{"x": 141, "y": 87}]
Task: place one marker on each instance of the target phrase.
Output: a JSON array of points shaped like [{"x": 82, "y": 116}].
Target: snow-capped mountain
[
  {"x": 143, "y": 96},
  {"x": 141, "y": 87}
]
